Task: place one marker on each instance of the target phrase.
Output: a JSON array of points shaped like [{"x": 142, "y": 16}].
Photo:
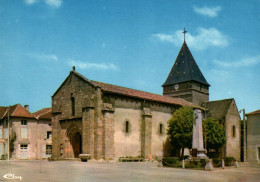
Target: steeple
[
  {"x": 185, "y": 69},
  {"x": 185, "y": 79}
]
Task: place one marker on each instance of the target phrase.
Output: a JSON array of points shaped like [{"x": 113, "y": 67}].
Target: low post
[
  {"x": 183, "y": 164},
  {"x": 236, "y": 164},
  {"x": 159, "y": 162},
  {"x": 223, "y": 163},
  {"x": 209, "y": 166}
]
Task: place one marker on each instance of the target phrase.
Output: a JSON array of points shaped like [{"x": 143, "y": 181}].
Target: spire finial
[{"x": 184, "y": 32}]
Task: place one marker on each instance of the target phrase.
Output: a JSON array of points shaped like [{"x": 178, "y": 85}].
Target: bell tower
[{"x": 185, "y": 79}]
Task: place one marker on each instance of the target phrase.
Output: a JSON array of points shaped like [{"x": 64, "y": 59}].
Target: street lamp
[{"x": 244, "y": 143}]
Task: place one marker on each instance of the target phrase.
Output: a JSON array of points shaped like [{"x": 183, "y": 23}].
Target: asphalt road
[{"x": 66, "y": 171}]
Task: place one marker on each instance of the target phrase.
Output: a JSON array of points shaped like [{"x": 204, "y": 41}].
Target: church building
[{"x": 109, "y": 121}]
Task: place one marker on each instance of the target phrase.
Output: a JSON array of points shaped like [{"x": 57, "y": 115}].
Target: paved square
[{"x": 58, "y": 171}]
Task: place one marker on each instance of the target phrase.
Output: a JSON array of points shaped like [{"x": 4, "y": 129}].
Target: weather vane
[{"x": 184, "y": 32}]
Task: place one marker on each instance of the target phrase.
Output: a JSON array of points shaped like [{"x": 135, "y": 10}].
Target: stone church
[{"x": 109, "y": 121}]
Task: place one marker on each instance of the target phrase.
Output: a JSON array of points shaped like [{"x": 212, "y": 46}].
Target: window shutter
[
  {"x": 24, "y": 133},
  {"x": 6, "y": 133},
  {"x": 43, "y": 151},
  {"x": 1, "y": 133},
  {"x": 45, "y": 135},
  {"x": 1, "y": 149}
]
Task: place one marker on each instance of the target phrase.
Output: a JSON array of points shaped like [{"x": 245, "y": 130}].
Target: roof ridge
[
  {"x": 47, "y": 110},
  {"x": 220, "y": 100},
  {"x": 254, "y": 112},
  {"x": 126, "y": 88},
  {"x": 6, "y": 109},
  {"x": 15, "y": 108}
]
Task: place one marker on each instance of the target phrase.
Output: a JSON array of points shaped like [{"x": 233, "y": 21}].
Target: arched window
[
  {"x": 161, "y": 129},
  {"x": 234, "y": 131},
  {"x": 72, "y": 105},
  {"x": 127, "y": 126}
]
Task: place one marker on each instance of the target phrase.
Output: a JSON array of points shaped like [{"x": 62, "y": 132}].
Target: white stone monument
[{"x": 197, "y": 136}]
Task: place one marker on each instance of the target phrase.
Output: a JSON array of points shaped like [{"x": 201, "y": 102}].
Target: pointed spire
[{"x": 185, "y": 69}]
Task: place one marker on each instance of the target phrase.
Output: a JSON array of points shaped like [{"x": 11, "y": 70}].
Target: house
[
  {"x": 28, "y": 133},
  {"x": 253, "y": 136}
]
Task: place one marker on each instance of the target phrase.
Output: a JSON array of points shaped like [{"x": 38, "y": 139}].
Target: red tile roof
[
  {"x": 3, "y": 111},
  {"x": 15, "y": 111},
  {"x": 108, "y": 88},
  {"x": 43, "y": 113},
  {"x": 141, "y": 94},
  {"x": 254, "y": 112}
]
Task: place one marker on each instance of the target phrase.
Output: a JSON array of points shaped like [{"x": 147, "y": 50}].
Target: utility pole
[
  {"x": 244, "y": 133},
  {"x": 8, "y": 132},
  {"x": 244, "y": 121}
]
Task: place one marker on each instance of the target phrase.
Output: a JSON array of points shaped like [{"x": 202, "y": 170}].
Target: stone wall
[
  {"x": 159, "y": 138},
  {"x": 253, "y": 138},
  {"x": 68, "y": 127},
  {"x": 73, "y": 87},
  {"x": 84, "y": 95},
  {"x": 127, "y": 143},
  {"x": 42, "y": 128},
  {"x": 194, "y": 92},
  {"x": 232, "y": 122},
  {"x": 199, "y": 97},
  {"x": 144, "y": 137}
]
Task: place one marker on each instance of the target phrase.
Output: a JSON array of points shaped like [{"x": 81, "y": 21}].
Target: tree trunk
[{"x": 182, "y": 152}]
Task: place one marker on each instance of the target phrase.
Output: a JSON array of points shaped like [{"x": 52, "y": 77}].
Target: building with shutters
[{"x": 29, "y": 133}]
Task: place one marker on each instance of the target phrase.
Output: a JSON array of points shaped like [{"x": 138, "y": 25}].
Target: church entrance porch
[
  {"x": 76, "y": 143},
  {"x": 72, "y": 147}
]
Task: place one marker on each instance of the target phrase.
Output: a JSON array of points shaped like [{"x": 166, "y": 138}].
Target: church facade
[{"x": 109, "y": 121}]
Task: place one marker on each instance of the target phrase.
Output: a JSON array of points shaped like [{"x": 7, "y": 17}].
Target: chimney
[
  {"x": 26, "y": 107},
  {"x": 73, "y": 68}
]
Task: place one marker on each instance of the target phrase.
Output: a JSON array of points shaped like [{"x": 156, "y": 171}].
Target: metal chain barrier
[{"x": 218, "y": 165}]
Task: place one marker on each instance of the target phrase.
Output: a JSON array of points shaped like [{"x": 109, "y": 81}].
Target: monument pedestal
[
  {"x": 201, "y": 154},
  {"x": 198, "y": 150}
]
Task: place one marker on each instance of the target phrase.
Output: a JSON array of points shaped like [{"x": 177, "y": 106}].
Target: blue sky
[{"x": 127, "y": 43}]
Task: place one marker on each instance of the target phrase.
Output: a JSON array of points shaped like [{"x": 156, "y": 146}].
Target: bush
[
  {"x": 203, "y": 162},
  {"x": 4, "y": 157},
  {"x": 229, "y": 161},
  {"x": 196, "y": 164},
  {"x": 193, "y": 166},
  {"x": 216, "y": 162},
  {"x": 171, "y": 162}
]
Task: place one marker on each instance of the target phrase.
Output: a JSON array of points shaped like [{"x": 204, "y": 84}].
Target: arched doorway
[
  {"x": 76, "y": 144},
  {"x": 75, "y": 141}
]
